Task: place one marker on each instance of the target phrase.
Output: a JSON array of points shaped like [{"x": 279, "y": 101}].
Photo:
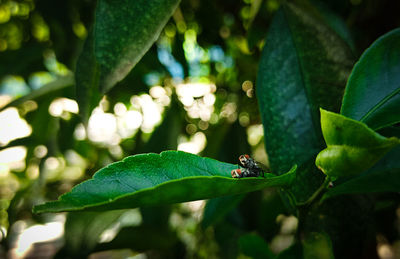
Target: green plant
[{"x": 330, "y": 128}]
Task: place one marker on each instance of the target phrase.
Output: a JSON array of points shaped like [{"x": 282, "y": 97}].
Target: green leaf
[
  {"x": 383, "y": 177},
  {"x": 124, "y": 32},
  {"x": 152, "y": 179},
  {"x": 217, "y": 208},
  {"x": 87, "y": 79},
  {"x": 352, "y": 147},
  {"x": 299, "y": 72},
  {"x": 255, "y": 246},
  {"x": 83, "y": 230},
  {"x": 335, "y": 22},
  {"x": 141, "y": 239},
  {"x": 373, "y": 90}
]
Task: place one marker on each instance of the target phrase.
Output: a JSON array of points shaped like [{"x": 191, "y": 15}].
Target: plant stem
[{"x": 316, "y": 193}]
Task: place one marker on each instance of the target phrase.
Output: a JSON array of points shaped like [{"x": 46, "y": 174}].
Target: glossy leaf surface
[
  {"x": 352, "y": 147},
  {"x": 124, "y": 32},
  {"x": 373, "y": 90},
  {"x": 152, "y": 179},
  {"x": 299, "y": 72}
]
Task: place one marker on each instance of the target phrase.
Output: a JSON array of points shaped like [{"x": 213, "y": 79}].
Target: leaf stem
[{"x": 316, "y": 193}]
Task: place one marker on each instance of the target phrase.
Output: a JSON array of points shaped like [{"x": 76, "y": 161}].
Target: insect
[
  {"x": 250, "y": 168},
  {"x": 243, "y": 172}
]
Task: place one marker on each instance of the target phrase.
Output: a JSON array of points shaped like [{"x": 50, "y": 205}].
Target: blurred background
[{"x": 192, "y": 91}]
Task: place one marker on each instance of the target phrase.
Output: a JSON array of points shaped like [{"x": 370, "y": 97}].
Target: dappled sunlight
[
  {"x": 194, "y": 144},
  {"x": 151, "y": 111},
  {"x": 287, "y": 231},
  {"x": 60, "y": 106},
  {"x": 28, "y": 236},
  {"x": 102, "y": 127},
  {"x": 12, "y": 158},
  {"x": 12, "y": 126}
]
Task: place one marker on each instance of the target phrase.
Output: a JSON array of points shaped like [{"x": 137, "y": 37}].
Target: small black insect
[{"x": 250, "y": 168}]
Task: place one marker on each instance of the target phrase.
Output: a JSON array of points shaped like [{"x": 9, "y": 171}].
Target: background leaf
[
  {"x": 255, "y": 246},
  {"x": 119, "y": 46},
  {"x": 83, "y": 229},
  {"x": 352, "y": 146},
  {"x": 373, "y": 90},
  {"x": 217, "y": 208},
  {"x": 299, "y": 72},
  {"x": 151, "y": 179}
]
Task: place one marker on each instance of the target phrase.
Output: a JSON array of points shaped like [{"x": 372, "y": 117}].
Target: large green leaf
[
  {"x": 304, "y": 66},
  {"x": 124, "y": 32},
  {"x": 352, "y": 146},
  {"x": 373, "y": 90},
  {"x": 152, "y": 179}
]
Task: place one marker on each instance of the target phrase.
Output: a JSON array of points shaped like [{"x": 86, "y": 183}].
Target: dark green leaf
[
  {"x": 299, "y": 72},
  {"x": 152, "y": 179},
  {"x": 294, "y": 251},
  {"x": 373, "y": 90},
  {"x": 352, "y": 146},
  {"x": 87, "y": 79},
  {"x": 217, "y": 208},
  {"x": 335, "y": 22},
  {"x": 140, "y": 239},
  {"x": 255, "y": 246},
  {"x": 124, "y": 32}
]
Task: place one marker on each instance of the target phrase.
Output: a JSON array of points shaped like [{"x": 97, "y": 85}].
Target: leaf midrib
[{"x": 380, "y": 104}]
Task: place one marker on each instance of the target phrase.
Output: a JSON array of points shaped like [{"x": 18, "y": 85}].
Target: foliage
[{"x": 151, "y": 76}]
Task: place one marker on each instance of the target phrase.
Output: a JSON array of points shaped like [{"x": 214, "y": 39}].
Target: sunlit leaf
[
  {"x": 352, "y": 146},
  {"x": 373, "y": 90},
  {"x": 152, "y": 179},
  {"x": 383, "y": 177},
  {"x": 124, "y": 32}
]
